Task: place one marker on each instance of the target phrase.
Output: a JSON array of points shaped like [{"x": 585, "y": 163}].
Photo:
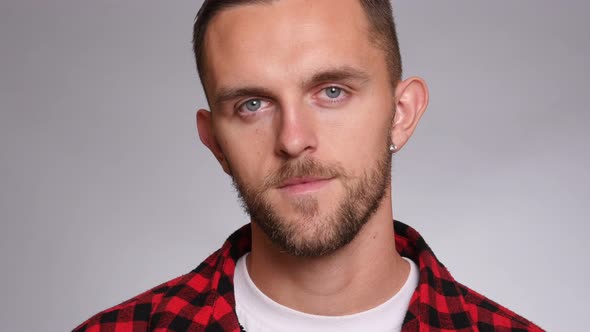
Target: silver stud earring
[{"x": 392, "y": 148}]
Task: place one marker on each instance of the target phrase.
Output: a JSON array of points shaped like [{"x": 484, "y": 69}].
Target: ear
[
  {"x": 207, "y": 136},
  {"x": 411, "y": 97}
]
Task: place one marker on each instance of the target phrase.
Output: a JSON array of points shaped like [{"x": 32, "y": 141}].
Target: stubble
[{"x": 308, "y": 233}]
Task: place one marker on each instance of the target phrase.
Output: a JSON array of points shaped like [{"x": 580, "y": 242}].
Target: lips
[
  {"x": 300, "y": 181},
  {"x": 303, "y": 185}
]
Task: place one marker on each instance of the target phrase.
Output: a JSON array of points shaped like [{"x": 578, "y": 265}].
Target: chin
[{"x": 309, "y": 235}]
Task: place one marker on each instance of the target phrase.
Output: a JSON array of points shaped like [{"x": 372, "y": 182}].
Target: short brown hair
[{"x": 378, "y": 12}]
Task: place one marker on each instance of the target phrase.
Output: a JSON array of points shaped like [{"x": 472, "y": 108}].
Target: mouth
[{"x": 300, "y": 185}]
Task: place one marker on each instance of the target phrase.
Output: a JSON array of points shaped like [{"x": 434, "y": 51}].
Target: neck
[{"x": 360, "y": 276}]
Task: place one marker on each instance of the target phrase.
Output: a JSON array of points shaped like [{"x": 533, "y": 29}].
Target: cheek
[
  {"x": 360, "y": 134},
  {"x": 246, "y": 149}
]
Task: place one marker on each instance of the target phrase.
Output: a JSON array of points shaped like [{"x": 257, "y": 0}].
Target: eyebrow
[
  {"x": 339, "y": 74},
  {"x": 226, "y": 94}
]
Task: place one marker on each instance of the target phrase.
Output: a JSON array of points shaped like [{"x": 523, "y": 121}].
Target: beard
[{"x": 307, "y": 233}]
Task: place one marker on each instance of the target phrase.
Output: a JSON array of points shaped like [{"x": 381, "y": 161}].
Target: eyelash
[
  {"x": 344, "y": 95},
  {"x": 245, "y": 113}
]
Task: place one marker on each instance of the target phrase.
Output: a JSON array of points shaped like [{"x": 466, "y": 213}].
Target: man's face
[{"x": 302, "y": 108}]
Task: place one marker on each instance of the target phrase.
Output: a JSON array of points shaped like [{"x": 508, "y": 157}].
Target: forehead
[{"x": 285, "y": 39}]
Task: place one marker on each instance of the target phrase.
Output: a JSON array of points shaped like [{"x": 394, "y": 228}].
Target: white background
[{"x": 106, "y": 191}]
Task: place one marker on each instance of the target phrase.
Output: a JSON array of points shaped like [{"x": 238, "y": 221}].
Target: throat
[
  {"x": 256, "y": 311},
  {"x": 357, "y": 278}
]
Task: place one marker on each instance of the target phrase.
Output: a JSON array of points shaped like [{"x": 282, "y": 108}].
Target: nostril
[{"x": 296, "y": 131}]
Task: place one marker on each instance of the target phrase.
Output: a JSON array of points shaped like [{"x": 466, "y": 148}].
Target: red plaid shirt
[{"x": 203, "y": 300}]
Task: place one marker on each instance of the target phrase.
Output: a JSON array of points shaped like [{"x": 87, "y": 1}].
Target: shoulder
[
  {"x": 491, "y": 316},
  {"x": 131, "y": 315},
  {"x": 157, "y": 305}
]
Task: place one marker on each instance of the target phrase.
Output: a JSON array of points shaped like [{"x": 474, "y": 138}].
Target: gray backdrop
[{"x": 106, "y": 190}]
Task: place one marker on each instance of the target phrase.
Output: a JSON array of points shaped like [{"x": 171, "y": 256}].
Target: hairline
[{"x": 377, "y": 38}]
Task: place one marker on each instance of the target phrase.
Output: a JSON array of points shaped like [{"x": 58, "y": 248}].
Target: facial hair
[{"x": 308, "y": 234}]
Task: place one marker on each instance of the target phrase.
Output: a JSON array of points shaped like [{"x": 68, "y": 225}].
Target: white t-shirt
[{"x": 258, "y": 313}]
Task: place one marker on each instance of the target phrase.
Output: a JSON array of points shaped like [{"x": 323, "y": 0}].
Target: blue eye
[
  {"x": 333, "y": 92},
  {"x": 253, "y": 105}
]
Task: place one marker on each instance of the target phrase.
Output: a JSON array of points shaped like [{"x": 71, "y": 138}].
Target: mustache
[{"x": 303, "y": 168}]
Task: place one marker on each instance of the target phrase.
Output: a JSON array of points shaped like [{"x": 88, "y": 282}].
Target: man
[{"x": 307, "y": 107}]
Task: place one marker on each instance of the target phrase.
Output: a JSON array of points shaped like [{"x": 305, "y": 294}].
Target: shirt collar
[{"x": 436, "y": 287}]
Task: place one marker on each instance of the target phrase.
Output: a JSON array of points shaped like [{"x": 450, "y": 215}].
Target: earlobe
[
  {"x": 411, "y": 97},
  {"x": 207, "y": 136}
]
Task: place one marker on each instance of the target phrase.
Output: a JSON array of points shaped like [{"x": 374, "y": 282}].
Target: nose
[{"x": 297, "y": 131}]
